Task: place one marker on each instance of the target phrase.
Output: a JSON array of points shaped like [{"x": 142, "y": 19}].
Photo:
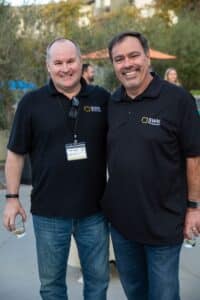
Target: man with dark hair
[
  {"x": 62, "y": 126},
  {"x": 88, "y": 73},
  {"x": 152, "y": 197}
]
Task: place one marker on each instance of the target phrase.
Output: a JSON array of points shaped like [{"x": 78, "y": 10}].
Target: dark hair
[
  {"x": 85, "y": 67},
  {"x": 119, "y": 38}
]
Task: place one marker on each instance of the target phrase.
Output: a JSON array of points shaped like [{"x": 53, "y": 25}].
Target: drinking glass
[
  {"x": 19, "y": 230},
  {"x": 190, "y": 243}
]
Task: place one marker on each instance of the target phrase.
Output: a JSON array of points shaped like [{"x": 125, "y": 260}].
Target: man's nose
[
  {"x": 65, "y": 67},
  {"x": 127, "y": 62}
]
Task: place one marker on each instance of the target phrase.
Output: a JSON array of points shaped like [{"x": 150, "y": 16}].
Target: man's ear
[
  {"x": 149, "y": 58},
  {"x": 148, "y": 54},
  {"x": 47, "y": 66}
]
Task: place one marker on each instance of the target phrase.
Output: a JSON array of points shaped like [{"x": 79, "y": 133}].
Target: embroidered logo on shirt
[
  {"x": 92, "y": 108},
  {"x": 150, "y": 121}
]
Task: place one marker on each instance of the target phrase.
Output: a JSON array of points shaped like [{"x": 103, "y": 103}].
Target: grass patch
[{"x": 195, "y": 92}]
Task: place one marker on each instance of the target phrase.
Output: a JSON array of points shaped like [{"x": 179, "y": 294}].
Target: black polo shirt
[
  {"x": 42, "y": 128},
  {"x": 149, "y": 139}
]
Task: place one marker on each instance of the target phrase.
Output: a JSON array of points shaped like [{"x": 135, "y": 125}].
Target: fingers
[
  {"x": 23, "y": 214},
  {"x": 192, "y": 223},
  {"x": 12, "y": 209},
  {"x": 9, "y": 222},
  {"x": 195, "y": 231},
  {"x": 191, "y": 230},
  {"x": 11, "y": 226},
  {"x": 187, "y": 235}
]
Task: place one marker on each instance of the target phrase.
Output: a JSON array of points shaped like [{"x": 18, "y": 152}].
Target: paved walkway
[{"x": 18, "y": 266}]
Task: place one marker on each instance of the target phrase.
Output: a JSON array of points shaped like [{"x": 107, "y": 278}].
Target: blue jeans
[
  {"x": 53, "y": 237},
  {"x": 147, "y": 272}
]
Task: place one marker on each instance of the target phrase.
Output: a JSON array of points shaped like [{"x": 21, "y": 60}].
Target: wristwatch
[
  {"x": 193, "y": 204},
  {"x": 12, "y": 196}
]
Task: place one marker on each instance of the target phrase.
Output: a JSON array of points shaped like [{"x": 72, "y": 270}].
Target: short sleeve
[
  {"x": 190, "y": 127},
  {"x": 20, "y": 136}
]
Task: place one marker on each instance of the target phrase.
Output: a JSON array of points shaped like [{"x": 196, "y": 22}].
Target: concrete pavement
[{"x": 18, "y": 266}]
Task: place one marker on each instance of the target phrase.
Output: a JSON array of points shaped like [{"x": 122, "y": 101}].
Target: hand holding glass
[
  {"x": 19, "y": 229},
  {"x": 191, "y": 242}
]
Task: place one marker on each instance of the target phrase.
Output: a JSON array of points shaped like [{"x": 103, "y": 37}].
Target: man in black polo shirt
[
  {"x": 62, "y": 126},
  {"x": 152, "y": 198}
]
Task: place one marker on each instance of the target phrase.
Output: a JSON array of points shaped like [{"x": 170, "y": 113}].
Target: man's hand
[
  {"x": 13, "y": 170},
  {"x": 13, "y": 207},
  {"x": 192, "y": 223}
]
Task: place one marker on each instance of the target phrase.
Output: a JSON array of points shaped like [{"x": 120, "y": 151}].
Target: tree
[
  {"x": 178, "y": 5},
  {"x": 31, "y": 28},
  {"x": 41, "y": 24},
  {"x": 166, "y": 9},
  {"x": 61, "y": 17},
  {"x": 8, "y": 61},
  {"x": 180, "y": 39},
  {"x": 185, "y": 37}
]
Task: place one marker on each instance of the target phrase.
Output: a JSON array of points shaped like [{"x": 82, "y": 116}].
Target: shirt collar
[
  {"x": 85, "y": 88},
  {"x": 151, "y": 92}
]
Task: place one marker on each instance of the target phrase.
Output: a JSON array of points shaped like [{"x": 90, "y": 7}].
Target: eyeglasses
[{"x": 73, "y": 112}]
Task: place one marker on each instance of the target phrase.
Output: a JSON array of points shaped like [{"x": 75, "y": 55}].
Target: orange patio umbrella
[
  {"x": 103, "y": 53},
  {"x": 160, "y": 55}
]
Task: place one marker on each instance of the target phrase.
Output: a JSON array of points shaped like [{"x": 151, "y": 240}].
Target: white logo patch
[
  {"x": 92, "y": 108},
  {"x": 150, "y": 121}
]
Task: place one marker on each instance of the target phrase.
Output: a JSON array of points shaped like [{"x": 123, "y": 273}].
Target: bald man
[{"x": 62, "y": 126}]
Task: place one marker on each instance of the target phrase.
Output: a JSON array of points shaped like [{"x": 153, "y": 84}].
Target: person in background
[
  {"x": 171, "y": 75},
  {"x": 152, "y": 198},
  {"x": 63, "y": 127},
  {"x": 88, "y": 73}
]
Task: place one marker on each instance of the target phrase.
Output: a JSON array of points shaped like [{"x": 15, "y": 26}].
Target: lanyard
[{"x": 75, "y": 118}]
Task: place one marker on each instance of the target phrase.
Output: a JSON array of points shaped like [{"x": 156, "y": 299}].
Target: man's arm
[
  {"x": 192, "y": 219},
  {"x": 13, "y": 170}
]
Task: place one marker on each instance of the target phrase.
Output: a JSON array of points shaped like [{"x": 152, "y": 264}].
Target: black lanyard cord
[{"x": 73, "y": 116}]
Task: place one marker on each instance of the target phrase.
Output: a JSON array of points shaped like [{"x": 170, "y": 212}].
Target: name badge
[{"x": 76, "y": 151}]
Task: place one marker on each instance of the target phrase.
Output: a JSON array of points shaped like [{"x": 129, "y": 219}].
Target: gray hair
[{"x": 61, "y": 40}]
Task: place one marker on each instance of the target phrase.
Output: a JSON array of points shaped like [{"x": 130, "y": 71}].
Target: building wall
[{"x": 100, "y": 5}]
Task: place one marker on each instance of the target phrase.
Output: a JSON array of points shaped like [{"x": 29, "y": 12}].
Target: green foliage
[
  {"x": 177, "y": 6},
  {"x": 32, "y": 28},
  {"x": 181, "y": 40},
  {"x": 3, "y": 122},
  {"x": 195, "y": 92},
  {"x": 8, "y": 60},
  {"x": 6, "y": 106},
  {"x": 105, "y": 77},
  {"x": 127, "y": 18},
  {"x": 185, "y": 43},
  {"x": 61, "y": 17},
  {"x": 165, "y": 9}
]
